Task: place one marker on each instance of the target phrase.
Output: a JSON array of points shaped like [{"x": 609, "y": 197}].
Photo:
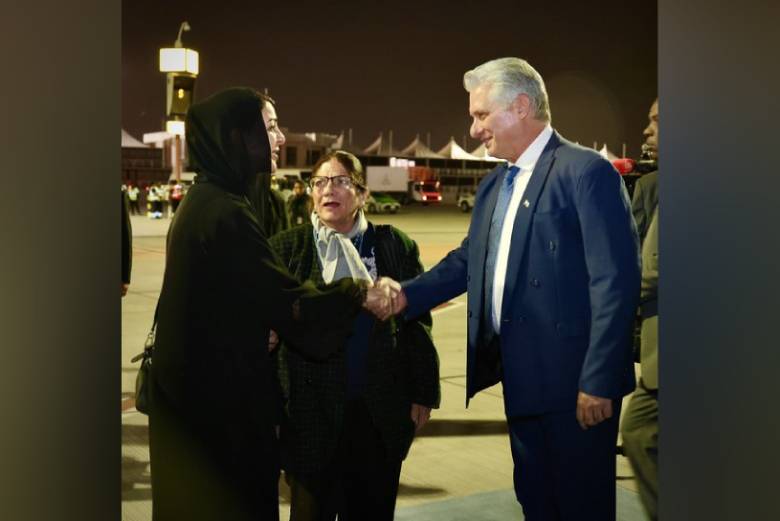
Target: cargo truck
[{"x": 406, "y": 184}]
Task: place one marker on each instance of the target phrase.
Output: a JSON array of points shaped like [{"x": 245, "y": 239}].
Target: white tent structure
[
  {"x": 607, "y": 154},
  {"x": 418, "y": 149},
  {"x": 157, "y": 139},
  {"x": 129, "y": 141},
  {"x": 481, "y": 153},
  {"x": 454, "y": 151},
  {"x": 374, "y": 147},
  {"x": 379, "y": 148},
  {"x": 343, "y": 144}
]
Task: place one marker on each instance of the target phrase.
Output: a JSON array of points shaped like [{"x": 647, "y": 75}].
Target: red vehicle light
[{"x": 624, "y": 165}]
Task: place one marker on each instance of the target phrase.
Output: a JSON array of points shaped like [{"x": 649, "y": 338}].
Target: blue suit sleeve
[
  {"x": 441, "y": 283},
  {"x": 449, "y": 277},
  {"x": 613, "y": 262}
]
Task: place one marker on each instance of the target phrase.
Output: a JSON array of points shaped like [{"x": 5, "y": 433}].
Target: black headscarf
[{"x": 216, "y": 149}]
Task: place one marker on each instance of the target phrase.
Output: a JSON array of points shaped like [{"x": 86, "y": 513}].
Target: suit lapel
[
  {"x": 479, "y": 237},
  {"x": 521, "y": 228}
]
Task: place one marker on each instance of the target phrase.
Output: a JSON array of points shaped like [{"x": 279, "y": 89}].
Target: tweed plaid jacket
[{"x": 403, "y": 367}]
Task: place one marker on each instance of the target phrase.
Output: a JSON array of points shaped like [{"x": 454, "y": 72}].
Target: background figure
[
  {"x": 299, "y": 205},
  {"x": 284, "y": 188},
  {"x": 165, "y": 202},
  {"x": 280, "y": 185},
  {"x": 127, "y": 243},
  {"x": 215, "y": 403},
  {"x": 350, "y": 419},
  {"x": 175, "y": 196},
  {"x": 279, "y": 220},
  {"x": 645, "y": 197},
  {"x": 551, "y": 267},
  {"x": 132, "y": 196},
  {"x": 640, "y": 421},
  {"x": 154, "y": 200}
]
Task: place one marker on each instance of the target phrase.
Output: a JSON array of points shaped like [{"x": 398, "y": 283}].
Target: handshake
[{"x": 385, "y": 298}]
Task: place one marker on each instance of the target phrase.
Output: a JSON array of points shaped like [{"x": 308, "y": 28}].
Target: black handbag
[{"x": 143, "y": 378}]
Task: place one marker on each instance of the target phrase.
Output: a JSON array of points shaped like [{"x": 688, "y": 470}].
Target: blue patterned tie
[{"x": 494, "y": 237}]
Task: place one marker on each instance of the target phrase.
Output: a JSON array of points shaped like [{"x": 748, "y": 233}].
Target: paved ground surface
[{"x": 459, "y": 466}]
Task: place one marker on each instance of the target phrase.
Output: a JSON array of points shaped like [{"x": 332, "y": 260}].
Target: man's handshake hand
[{"x": 385, "y": 298}]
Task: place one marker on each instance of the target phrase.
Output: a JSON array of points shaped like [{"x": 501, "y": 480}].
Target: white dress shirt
[{"x": 526, "y": 163}]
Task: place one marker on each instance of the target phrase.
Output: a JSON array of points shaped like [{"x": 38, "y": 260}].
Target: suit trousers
[
  {"x": 640, "y": 443},
  {"x": 563, "y": 472},
  {"x": 359, "y": 483}
]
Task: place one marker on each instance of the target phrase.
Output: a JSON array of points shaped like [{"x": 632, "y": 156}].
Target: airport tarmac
[{"x": 459, "y": 466}]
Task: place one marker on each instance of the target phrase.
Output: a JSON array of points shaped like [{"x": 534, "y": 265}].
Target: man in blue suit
[{"x": 551, "y": 266}]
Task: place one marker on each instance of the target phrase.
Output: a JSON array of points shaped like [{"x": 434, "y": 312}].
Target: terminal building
[{"x": 456, "y": 169}]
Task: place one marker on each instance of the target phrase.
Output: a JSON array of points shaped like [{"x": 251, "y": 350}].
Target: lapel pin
[{"x": 526, "y": 203}]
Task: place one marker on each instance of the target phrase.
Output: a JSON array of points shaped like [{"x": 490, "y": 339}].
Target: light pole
[{"x": 181, "y": 67}]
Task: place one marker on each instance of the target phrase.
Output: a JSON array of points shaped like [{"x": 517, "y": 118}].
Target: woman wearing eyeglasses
[{"x": 351, "y": 418}]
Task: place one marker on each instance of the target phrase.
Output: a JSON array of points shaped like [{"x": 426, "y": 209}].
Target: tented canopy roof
[
  {"x": 482, "y": 153},
  {"x": 380, "y": 148},
  {"x": 607, "y": 153},
  {"x": 157, "y": 139},
  {"x": 454, "y": 151},
  {"x": 418, "y": 149},
  {"x": 341, "y": 144},
  {"x": 129, "y": 141}
]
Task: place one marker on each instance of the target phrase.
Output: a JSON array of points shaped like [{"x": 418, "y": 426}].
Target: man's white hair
[{"x": 508, "y": 78}]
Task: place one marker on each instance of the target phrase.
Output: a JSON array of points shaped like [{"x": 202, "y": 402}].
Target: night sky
[{"x": 399, "y": 66}]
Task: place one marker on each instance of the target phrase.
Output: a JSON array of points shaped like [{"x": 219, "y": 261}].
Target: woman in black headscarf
[{"x": 215, "y": 403}]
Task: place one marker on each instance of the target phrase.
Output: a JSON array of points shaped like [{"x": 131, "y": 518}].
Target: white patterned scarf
[{"x": 338, "y": 256}]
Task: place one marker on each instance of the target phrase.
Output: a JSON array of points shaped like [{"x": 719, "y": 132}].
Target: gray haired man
[{"x": 551, "y": 267}]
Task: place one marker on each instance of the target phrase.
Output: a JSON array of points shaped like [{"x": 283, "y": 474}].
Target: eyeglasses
[{"x": 319, "y": 182}]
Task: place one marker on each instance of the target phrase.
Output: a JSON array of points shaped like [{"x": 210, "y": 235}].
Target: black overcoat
[
  {"x": 215, "y": 401},
  {"x": 403, "y": 367}
]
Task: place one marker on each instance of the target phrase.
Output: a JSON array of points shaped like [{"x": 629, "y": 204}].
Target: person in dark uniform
[
  {"x": 279, "y": 221},
  {"x": 127, "y": 243},
  {"x": 299, "y": 205},
  {"x": 639, "y": 427}
]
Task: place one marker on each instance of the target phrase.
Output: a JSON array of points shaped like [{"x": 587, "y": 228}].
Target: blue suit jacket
[{"x": 571, "y": 288}]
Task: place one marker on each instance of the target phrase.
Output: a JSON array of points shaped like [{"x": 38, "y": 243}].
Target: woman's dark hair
[{"x": 350, "y": 163}]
